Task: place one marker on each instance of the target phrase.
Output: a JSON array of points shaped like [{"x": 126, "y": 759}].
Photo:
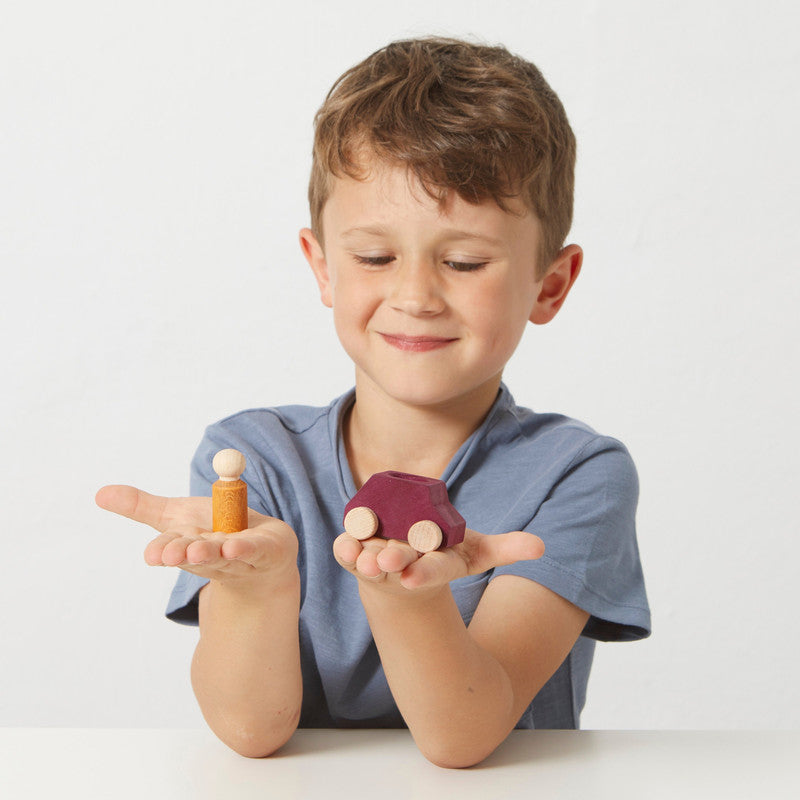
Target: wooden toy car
[{"x": 397, "y": 505}]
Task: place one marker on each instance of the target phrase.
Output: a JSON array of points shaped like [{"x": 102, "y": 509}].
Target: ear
[
  {"x": 557, "y": 282},
  {"x": 315, "y": 256}
]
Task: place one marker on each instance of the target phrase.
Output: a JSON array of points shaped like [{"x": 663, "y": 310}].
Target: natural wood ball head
[{"x": 229, "y": 464}]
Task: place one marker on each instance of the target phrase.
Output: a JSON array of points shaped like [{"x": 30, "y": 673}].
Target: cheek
[
  {"x": 500, "y": 315},
  {"x": 353, "y": 303}
]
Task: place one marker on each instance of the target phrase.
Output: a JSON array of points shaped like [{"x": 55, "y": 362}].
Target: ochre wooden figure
[{"x": 229, "y": 493}]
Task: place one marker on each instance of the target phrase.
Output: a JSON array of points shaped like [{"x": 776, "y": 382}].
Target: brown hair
[{"x": 470, "y": 118}]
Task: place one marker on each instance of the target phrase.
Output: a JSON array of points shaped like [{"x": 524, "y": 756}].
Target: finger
[
  {"x": 507, "y": 548},
  {"x": 153, "y": 551},
  {"x": 205, "y": 552},
  {"x": 254, "y": 549},
  {"x": 133, "y": 503},
  {"x": 174, "y": 552},
  {"x": 367, "y": 563},
  {"x": 396, "y": 556},
  {"x": 434, "y": 569},
  {"x": 346, "y": 550},
  {"x": 482, "y": 552}
]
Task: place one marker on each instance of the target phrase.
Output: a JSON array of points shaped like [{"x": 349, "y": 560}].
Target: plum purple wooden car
[{"x": 397, "y": 505}]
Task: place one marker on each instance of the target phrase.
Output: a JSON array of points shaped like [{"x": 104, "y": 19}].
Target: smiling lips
[{"x": 416, "y": 344}]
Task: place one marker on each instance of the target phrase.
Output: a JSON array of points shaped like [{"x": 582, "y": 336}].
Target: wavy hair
[{"x": 469, "y": 118}]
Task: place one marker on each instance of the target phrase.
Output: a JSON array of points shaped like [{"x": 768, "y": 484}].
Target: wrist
[
  {"x": 259, "y": 587},
  {"x": 381, "y": 595}
]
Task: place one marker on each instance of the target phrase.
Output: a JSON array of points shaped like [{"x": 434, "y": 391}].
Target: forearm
[
  {"x": 456, "y": 699},
  {"x": 246, "y": 667}
]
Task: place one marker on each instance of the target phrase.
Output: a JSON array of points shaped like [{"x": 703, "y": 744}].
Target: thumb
[
  {"x": 503, "y": 549},
  {"x": 133, "y": 503}
]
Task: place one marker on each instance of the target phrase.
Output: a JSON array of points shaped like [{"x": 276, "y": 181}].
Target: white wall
[{"x": 153, "y": 167}]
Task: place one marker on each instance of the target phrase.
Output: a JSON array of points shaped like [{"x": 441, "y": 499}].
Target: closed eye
[
  {"x": 374, "y": 261},
  {"x": 466, "y": 266},
  {"x": 458, "y": 266}
]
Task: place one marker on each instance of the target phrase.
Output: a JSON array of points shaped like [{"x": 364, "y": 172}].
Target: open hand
[
  {"x": 398, "y": 565},
  {"x": 186, "y": 540}
]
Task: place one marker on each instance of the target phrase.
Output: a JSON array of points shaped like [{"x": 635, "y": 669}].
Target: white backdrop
[{"x": 153, "y": 167}]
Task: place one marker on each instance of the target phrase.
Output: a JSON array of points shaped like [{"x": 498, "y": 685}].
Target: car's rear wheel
[{"x": 425, "y": 536}]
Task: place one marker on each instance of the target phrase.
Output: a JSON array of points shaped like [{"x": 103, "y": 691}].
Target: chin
[{"x": 428, "y": 393}]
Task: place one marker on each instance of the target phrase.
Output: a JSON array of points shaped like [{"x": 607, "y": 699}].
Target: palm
[
  {"x": 185, "y": 538},
  {"x": 376, "y": 559}
]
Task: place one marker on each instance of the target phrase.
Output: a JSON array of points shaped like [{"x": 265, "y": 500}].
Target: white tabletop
[{"x": 555, "y": 765}]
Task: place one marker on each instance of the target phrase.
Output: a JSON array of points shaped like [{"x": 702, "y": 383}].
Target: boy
[{"x": 441, "y": 194}]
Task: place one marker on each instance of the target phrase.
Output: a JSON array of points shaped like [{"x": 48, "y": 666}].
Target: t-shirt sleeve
[{"x": 587, "y": 523}]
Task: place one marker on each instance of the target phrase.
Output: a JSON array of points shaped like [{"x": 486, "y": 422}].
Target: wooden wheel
[
  {"x": 361, "y": 522},
  {"x": 425, "y": 536}
]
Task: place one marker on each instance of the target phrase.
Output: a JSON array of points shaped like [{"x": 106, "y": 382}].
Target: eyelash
[{"x": 457, "y": 266}]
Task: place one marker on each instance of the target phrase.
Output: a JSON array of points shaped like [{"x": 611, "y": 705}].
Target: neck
[{"x": 382, "y": 433}]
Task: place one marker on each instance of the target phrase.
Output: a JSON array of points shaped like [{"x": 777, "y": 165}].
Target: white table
[{"x": 67, "y": 763}]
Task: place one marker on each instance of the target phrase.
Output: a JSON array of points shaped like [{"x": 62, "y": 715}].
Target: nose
[{"x": 416, "y": 290}]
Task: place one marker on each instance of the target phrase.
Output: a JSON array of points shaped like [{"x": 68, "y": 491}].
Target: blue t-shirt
[{"x": 543, "y": 473}]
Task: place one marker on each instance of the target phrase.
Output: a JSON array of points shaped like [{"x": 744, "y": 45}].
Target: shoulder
[
  {"x": 578, "y": 490},
  {"x": 293, "y": 420},
  {"x": 548, "y": 447},
  {"x": 278, "y": 426},
  {"x": 278, "y": 443}
]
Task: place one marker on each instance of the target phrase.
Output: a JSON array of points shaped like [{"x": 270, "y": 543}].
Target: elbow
[
  {"x": 466, "y": 746},
  {"x": 455, "y": 760},
  {"x": 257, "y": 749},
  {"x": 259, "y": 743},
  {"x": 452, "y": 763},
  {"x": 468, "y": 742},
  {"x": 457, "y": 757},
  {"x": 256, "y": 746}
]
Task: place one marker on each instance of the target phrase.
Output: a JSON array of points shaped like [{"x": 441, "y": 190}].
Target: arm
[
  {"x": 461, "y": 690},
  {"x": 246, "y": 667}
]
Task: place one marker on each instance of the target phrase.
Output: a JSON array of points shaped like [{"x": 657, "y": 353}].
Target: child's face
[{"x": 429, "y": 305}]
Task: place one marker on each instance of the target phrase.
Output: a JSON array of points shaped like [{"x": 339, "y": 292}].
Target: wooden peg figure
[{"x": 229, "y": 493}]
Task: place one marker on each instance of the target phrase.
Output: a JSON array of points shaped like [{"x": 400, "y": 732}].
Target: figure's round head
[
  {"x": 462, "y": 118},
  {"x": 229, "y": 464}
]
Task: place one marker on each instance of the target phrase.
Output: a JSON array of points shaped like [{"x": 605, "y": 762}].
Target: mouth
[{"x": 416, "y": 344}]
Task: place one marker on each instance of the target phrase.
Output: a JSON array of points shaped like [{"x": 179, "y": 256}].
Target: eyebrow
[
  {"x": 451, "y": 234},
  {"x": 373, "y": 230}
]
